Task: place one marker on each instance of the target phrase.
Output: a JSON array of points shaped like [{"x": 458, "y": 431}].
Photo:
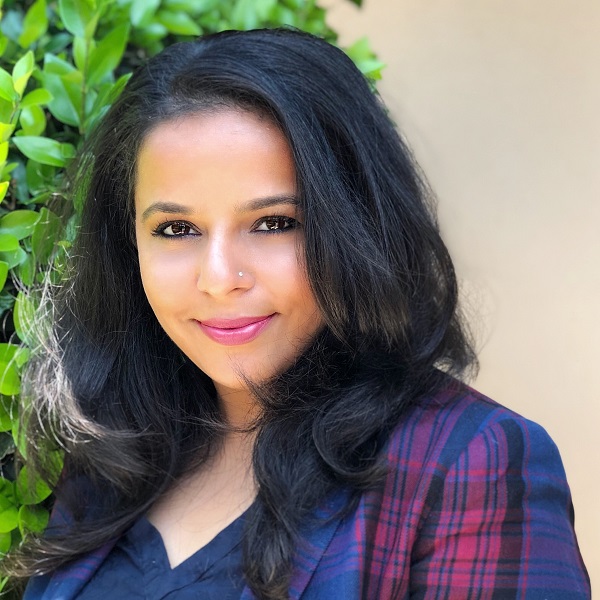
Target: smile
[{"x": 233, "y": 332}]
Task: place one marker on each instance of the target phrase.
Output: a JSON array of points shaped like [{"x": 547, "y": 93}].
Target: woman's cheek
[{"x": 167, "y": 277}]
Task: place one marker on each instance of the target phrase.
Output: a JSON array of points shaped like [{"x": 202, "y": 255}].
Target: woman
[{"x": 253, "y": 365}]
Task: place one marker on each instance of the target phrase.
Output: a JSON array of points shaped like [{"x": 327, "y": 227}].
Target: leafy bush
[{"x": 62, "y": 64}]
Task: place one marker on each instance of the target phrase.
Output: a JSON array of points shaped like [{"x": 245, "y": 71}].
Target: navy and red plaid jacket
[{"x": 475, "y": 506}]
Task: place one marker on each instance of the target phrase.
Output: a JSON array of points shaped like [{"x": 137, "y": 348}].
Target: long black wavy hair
[{"x": 133, "y": 413}]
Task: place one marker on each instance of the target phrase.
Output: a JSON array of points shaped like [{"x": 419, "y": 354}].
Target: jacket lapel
[
  {"x": 314, "y": 541},
  {"x": 66, "y": 583}
]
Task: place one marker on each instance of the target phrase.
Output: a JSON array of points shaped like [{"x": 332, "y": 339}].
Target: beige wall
[{"x": 500, "y": 100}]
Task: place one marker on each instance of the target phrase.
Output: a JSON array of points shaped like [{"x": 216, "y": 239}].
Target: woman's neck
[
  {"x": 239, "y": 407},
  {"x": 206, "y": 500}
]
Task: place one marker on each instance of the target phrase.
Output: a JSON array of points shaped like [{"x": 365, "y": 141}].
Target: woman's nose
[{"x": 223, "y": 268}]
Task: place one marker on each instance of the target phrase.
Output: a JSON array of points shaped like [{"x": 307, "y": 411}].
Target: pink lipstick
[{"x": 233, "y": 332}]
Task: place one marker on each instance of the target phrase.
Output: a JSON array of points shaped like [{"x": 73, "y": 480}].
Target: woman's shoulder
[
  {"x": 473, "y": 483},
  {"x": 459, "y": 421}
]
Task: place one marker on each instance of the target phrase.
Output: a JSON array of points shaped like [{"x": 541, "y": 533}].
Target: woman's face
[{"x": 220, "y": 244}]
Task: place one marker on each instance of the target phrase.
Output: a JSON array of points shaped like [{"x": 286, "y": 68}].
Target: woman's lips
[{"x": 233, "y": 332}]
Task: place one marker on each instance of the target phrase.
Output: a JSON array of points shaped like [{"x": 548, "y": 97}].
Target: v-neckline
[{"x": 147, "y": 542}]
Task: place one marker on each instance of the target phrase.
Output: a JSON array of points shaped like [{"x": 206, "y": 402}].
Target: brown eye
[
  {"x": 178, "y": 229},
  {"x": 175, "y": 229},
  {"x": 275, "y": 224}
]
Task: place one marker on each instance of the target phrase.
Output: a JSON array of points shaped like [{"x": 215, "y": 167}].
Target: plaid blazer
[{"x": 475, "y": 506}]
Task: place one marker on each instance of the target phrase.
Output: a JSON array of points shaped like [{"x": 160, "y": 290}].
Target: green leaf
[
  {"x": 33, "y": 121},
  {"x": 8, "y": 413},
  {"x": 8, "y": 242},
  {"x": 142, "y": 11},
  {"x": 24, "y": 66},
  {"x": 79, "y": 17},
  {"x": 178, "y": 23},
  {"x": 45, "y": 234},
  {"x": 81, "y": 50},
  {"x": 19, "y": 223},
  {"x": 12, "y": 24},
  {"x": 22, "y": 355},
  {"x": 3, "y": 189},
  {"x": 54, "y": 463},
  {"x": 22, "y": 72},
  {"x": 57, "y": 66},
  {"x": 371, "y": 68},
  {"x": 35, "y": 97},
  {"x": 360, "y": 50},
  {"x": 295, "y": 4},
  {"x": 149, "y": 36},
  {"x": 7, "y": 110},
  {"x": 39, "y": 178},
  {"x": 8, "y": 351},
  {"x": 249, "y": 14},
  {"x": 32, "y": 519},
  {"x": 7, "y": 88},
  {"x": 10, "y": 380},
  {"x": 6, "y": 130},
  {"x": 58, "y": 43},
  {"x": 365, "y": 59},
  {"x": 23, "y": 317},
  {"x": 44, "y": 150},
  {"x": 3, "y": 152},
  {"x": 197, "y": 7},
  {"x": 8, "y": 168},
  {"x": 13, "y": 257},
  {"x": 68, "y": 151},
  {"x": 65, "y": 84},
  {"x": 7, "y": 488},
  {"x": 7, "y": 301},
  {"x": 31, "y": 489},
  {"x": 282, "y": 15},
  {"x": 35, "y": 24},
  {"x": 19, "y": 438},
  {"x": 71, "y": 230},
  {"x": 66, "y": 101},
  {"x": 6, "y": 422},
  {"x": 5, "y": 543},
  {"x": 42, "y": 198},
  {"x": 107, "y": 93},
  {"x": 9, "y": 514},
  {"x": 25, "y": 272},
  {"x": 3, "y": 273},
  {"x": 107, "y": 54}
]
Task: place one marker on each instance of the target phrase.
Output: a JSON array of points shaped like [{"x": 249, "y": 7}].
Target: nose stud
[{"x": 240, "y": 274}]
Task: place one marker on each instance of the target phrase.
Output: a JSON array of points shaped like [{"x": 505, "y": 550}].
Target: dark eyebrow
[
  {"x": 267, "y": 202},
  {"x": 166, "y": 207},
  {"x": 180, "y": 209}
]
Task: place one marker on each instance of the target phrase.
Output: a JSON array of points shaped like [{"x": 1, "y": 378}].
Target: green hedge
[{"x": 62, "y": 64}]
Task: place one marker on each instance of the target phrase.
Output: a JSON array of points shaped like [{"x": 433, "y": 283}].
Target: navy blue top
[{"x": 138, "y": 568}]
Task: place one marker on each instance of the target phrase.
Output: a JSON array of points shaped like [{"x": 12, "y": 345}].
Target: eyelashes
[
  {"x": 275, "y": 224},
  {"x": 183, "y": 229},
  {"x": 175, "y": 229}
]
